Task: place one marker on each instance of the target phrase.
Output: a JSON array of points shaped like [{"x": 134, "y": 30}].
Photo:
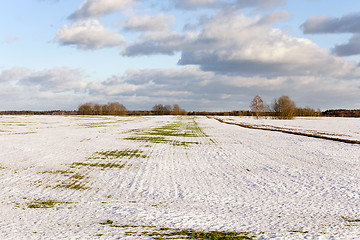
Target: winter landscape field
[{"x": 104, "y": 177}]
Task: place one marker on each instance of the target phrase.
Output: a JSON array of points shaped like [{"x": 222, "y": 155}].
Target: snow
[
  {"x": 344, "y": 128},
  {"x": 222, "y": 178}
]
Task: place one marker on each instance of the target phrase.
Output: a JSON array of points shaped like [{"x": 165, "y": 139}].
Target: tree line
[
  {"x": 112, "y": 108},
  {"x": 282, "y": 108},
  {"x": 116, "y": 108}
]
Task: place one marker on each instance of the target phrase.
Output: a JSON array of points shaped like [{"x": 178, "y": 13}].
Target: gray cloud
[
  {"x": 56, "y": 80},
  {"x": 324, "y": 24},
  {"x": 160, "y": 43},
  {"x": 48, "y": 89},
  {"x": 346, "y": 24},
  {"x": 230, "y": 43},
  {"x": 60, "y": 79},
  {"x": 194, "y": 4},
  {"x": 239, "y": 4},
  {"x": 89, "y": 35},
  {"x": 159, "y": 22},
  {"x": 352, "y": 47},
  {"x": 98, "y": 8},
  {"x": 189, "y": 86},
  {"x": 195, "y": 89},
  {"x": 263, "y": 4}
]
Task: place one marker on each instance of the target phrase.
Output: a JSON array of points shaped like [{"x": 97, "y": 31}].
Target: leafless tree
[
  {"x": 257, "y": 106},
  {"x": 112, "y": 108},
  {"x": 176, "y": 110},
  {"x": 86, "y": 109},
  {"x": 115, "y": 108},
  {"x": 284, "y": 108},
  {"x": 160, "y": 109}
]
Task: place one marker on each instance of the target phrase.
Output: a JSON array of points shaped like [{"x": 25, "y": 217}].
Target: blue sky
[{"x": 211, "y": 55}]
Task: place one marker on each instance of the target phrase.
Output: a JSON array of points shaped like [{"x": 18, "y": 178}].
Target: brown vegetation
[
  {"x": 112, "y": 108},
  {"x": 160, "y": 109}
]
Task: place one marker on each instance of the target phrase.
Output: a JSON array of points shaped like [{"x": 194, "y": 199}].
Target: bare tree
[
  {"x": 98, "y": 109},
  {"x": 112, "y": 108},
  {"x": 257, "y": 106},
  {"x": 284, "y": 108},
  {"x": 176, "y": 110},
  {"x": 160, "y": 109},
  {"x": 86, "y": 109},
  {"x": 115, "y": 108}
]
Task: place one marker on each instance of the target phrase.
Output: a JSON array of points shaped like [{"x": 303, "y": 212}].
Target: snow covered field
[
  {"x": 81, "y": 177},
  {"x": 344, "y": 128}
]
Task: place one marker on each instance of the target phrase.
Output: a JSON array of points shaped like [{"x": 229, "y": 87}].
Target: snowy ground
[
  {"x": 119, "y": 177},
  {"x": 343, "y": 128}
]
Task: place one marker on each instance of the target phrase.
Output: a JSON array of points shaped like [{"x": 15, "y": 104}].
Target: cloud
[
  {"x": 194, "y": 4},
  {"x": 274, "y": 17},
  {"x": 89, "y": 35},
  {"x": 239, "y": 4},
  {"x": 346, "y": 24},
  {"x": 195, "y": 89},
  {"x": 13, "y": 74},
  {"x": 324, "y": 24},
  {"x": 352, "y": 47},
  {"x": 98, "y": 8},
  {"x": 60, "y": 79},
  {"x": 189, "y": 86},
  {"x": 160, "y": 43},
  {"x": 261, "y": 4},
  {"x": 159, "y": 22},
  {"x": 231, "y": 43},
  {"x": 11, "y": 39},
  {"x": 48, "y": 89}
]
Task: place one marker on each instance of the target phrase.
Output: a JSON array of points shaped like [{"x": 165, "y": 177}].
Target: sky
[{"x": 205, "y": 55}]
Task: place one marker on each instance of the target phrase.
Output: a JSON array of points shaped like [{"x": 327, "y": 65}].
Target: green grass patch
[
  {"x": 351, "y": 220},
  {"x": 171, "y": 233},
  {"x": 95, "y": 125},
  {"x": 178, "y": 133},
  {"x": 118, "y": 154},
  {"x": 23, "y": 133},
  {"x": 193, "y": 234},
  {"x": 107, "y": 222},
  {"x": 99, "y": 165},
  {"x": 63, "y": 172},
  {"x": 74, "y": 182},
  {"x": 45, "y": 204},
  {"x": 155, "y": 139},
  {"x": 298, "y": 231}
]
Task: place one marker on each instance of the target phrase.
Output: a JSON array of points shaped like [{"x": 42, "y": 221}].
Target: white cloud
[
  {"x": 161, "y": 43},
  {"x": 89, "y": 34},
  {"x": 159, "y": 22},
  {"x": 231, "y": 43},
  {"x": 11, "y": 39},
  {"x": 192, "y": 88},
  {"x": 60, "y": 79},
  {"x": 259, "y": 4},
  {"x": 13, "y": 74},
  {"x": 98, "y": 8},
  {"x": 48, "y": 89}
]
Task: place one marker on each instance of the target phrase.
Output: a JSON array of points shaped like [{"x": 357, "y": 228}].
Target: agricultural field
[{"x": 169, "y": 177}]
